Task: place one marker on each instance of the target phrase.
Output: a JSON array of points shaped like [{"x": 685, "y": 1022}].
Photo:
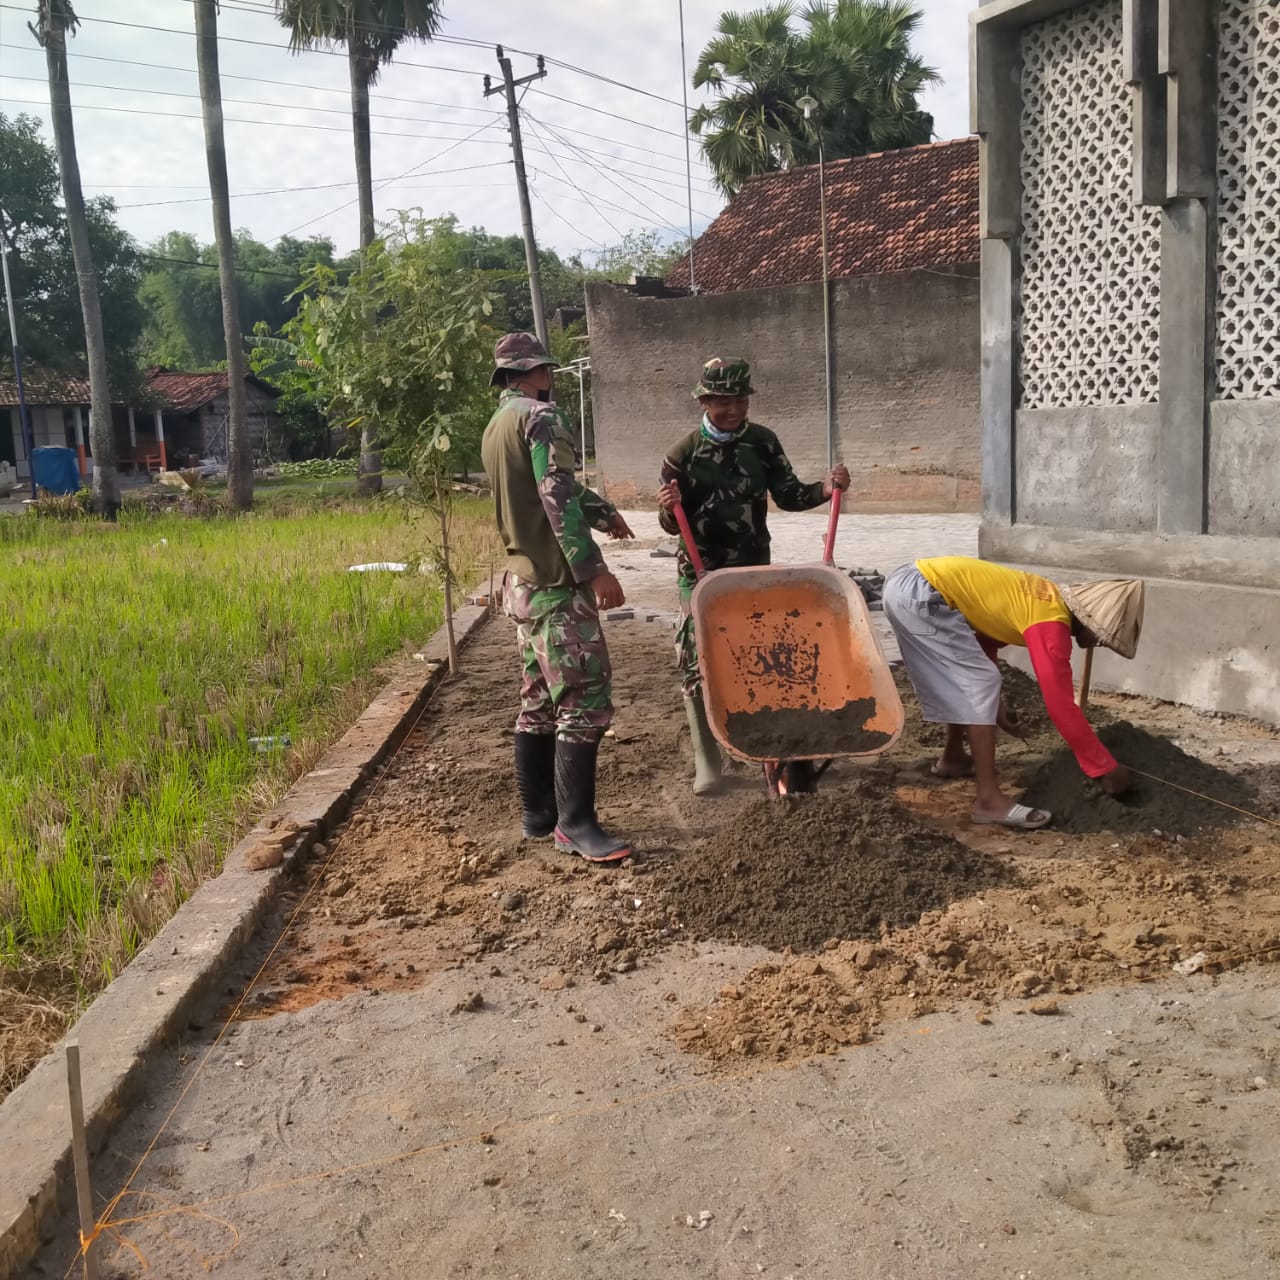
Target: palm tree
[
  {"x": 54, "y": 20},
  {"x": 853, "y": 56},
  {"x": 372, "y": 31},
  {"x": 239, "y": 457}
]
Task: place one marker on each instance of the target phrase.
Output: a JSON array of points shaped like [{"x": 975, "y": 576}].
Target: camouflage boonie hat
[
  {"x": 518, "y": 352},
  {"x": 724, "y": 377}
]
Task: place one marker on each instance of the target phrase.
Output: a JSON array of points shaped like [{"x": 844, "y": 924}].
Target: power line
[
  {"x": 293, "y": 84},
  {"x": 240, "y": 102},
  {"x": 275, "y": 124},
  {"x": 325, "y": 186},
  {"x": 226, "y": 75},
  {"x": 606, "y": 172},
  {"x": 380, "y": 186},
  {"x": 423, "y": 66},
  {"x": 537, "y": 134},
  {"x": 551, "y": 209},
  {"x": 264, "y": 44}
]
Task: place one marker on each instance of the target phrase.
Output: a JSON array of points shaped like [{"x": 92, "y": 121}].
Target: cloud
[{"x": 602, "y": 159}]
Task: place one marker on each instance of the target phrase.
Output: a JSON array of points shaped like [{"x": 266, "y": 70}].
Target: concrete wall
[
  {"x": 1185, "y": 492},
  {"x": 905, "y": 375}
]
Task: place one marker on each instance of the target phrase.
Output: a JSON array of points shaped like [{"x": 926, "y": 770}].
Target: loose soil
[
  {"x": 1166, "y": 805},
  {"x": 877, "y": 898},
  {"x": 843, "y": 864},
  {"x": 792, "y": 732}
]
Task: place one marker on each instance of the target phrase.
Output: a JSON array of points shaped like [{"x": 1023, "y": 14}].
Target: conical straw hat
[{"x": 1111, "y": 609}]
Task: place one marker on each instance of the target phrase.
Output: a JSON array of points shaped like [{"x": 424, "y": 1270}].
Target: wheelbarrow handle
[
  {"x": 691, "y": 547},
  {"x": 829, "y": 550}
]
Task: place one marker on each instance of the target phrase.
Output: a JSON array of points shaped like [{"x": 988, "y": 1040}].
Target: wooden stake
[
  {"x": 80, "y": 1153},
  {"x": 1086, "y": 678}
]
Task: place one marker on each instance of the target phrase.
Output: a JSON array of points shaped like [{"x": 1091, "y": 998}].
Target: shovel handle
[
  {"x": 833, "y": 519},
  {"x": 691, "y": 547}
]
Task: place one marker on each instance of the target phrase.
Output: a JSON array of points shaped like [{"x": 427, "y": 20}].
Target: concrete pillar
[
  {"x": 1188, "y": 64},
  {"x": 133, "y": 431},
  {"x": 164, "y": 461},
  {"x": 998, "y": 382},
  {"x": 80, "y": 453},
  {"x": 995, "y": 109}
]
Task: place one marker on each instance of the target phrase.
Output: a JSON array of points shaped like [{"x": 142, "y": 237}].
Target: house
[
  {"x": 176, "y": 418},
  {"x": 902, "y": 230},
  {"x": 1130, "y": 322}
]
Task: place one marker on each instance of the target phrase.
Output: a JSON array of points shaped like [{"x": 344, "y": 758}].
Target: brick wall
[{"x": 906, "y": 356}]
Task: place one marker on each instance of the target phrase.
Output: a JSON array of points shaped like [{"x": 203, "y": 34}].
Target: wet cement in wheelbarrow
[
  {"x": 798, "y": 872},
  {"x": 791, "y": 732},
  {"x": 1080, "y": 806}
]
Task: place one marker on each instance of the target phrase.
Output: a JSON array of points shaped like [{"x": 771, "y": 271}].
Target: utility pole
[
  {"x": 508, "y": 89},
  {"x": 24, "y": 414}
]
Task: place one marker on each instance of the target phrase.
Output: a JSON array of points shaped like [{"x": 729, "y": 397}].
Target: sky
[{"x": 604, "y": 159}]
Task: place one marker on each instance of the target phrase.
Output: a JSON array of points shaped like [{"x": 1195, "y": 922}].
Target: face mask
[{"x": 718, "y": 437}]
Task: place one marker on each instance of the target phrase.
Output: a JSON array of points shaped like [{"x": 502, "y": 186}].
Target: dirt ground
[
  {"x": 747, "y": 935},
  {"x": 878, "y": 895}
]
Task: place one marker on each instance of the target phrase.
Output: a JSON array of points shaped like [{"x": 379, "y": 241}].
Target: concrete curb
[{"x": 183, "y": 964}]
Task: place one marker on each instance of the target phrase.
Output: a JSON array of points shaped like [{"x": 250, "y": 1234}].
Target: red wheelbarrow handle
[
  {"x": 691, "y": 547},
  {"x": 829, "y": 550}
]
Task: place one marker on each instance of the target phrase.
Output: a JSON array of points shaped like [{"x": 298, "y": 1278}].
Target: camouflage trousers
[
  {"x": 566, "y": 685},
  {"x": 687, "y": 647}
]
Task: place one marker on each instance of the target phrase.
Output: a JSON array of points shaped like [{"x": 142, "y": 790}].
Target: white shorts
[{"x": 954, "y": 679}]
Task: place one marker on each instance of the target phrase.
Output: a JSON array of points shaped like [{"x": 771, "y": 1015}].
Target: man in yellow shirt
[{"x": 951, "y": 615}]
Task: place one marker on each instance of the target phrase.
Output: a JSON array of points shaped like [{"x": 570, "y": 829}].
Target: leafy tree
[
  {"x": 638, "y": 253},
  {"x": 372, "y": 31},
  {"x": 34, "y": 229},
  {"x": 184, "y": 304},
  {"x": 304, "y": 424},
  {"x": 853, "y": 56},
  {"x": 420, "y": 371},
  {"x": 55, "y": 20}
]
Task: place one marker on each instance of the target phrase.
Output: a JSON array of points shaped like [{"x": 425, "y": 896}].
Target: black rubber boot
[
  {"x": 577, "y": 830},
  {"x": 536, "y": 782}
]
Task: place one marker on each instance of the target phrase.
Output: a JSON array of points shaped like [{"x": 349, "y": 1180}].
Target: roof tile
[{"x": 889, "y": 211}]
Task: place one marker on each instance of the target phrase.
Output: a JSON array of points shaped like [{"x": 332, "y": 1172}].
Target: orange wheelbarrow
[{"x": 793, "y": 675}]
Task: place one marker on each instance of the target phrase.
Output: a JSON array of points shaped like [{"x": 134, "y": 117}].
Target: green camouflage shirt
[
  {"x": 545, "y": 516},
  {"x": 725, "y": 490}
]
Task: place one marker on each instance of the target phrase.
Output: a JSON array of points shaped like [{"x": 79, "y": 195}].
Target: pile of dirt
[
  {"x": 1079, "y": 806},
  {"x": 784, "y": 734},
  {"x": 845, "y": 864},
  {"x": 1071, "y": 925}
]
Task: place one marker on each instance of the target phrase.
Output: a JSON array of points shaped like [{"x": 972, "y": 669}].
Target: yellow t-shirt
[{"x": 995, "y": 601}]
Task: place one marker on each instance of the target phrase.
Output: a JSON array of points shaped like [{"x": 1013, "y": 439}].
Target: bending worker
[
  {"x": 555, "y": 585},
  {"x": 953, "y": 613},
  {"x": 723, "y": 474}
]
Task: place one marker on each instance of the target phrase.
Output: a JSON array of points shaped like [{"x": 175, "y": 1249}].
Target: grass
[{"x": 138, "y": 661}]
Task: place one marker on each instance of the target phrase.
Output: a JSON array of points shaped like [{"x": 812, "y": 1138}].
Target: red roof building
[{"x": 890, "y": 211}]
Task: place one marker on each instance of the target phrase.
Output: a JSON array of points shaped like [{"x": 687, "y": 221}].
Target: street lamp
[{"x": 809, "y": 104}]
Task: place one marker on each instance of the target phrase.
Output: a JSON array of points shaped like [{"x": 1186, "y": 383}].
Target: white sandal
[{"x": 1020, "y": 816}]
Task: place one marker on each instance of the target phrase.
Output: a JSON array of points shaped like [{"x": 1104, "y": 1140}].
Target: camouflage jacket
[
  {"x": 725, "y": 490},
  {"x": 545, "y": 516}
]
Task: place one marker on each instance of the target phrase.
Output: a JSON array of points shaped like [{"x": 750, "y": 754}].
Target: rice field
[{"x": 137, "y": 664}]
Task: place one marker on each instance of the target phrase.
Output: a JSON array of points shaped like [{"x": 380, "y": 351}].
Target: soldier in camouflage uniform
[
  {"x": 554, "y": 587},
  {"x": 724, "y": 474}
]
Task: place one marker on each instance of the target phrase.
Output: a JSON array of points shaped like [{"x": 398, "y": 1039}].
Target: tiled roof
[
  {"x": 184, "y": 392},
  {"x": 43, "y": 387},
  {"x": 891, "y": 211}
]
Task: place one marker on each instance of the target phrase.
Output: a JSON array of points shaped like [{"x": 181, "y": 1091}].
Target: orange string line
[{"x": 1257, "y": 817}]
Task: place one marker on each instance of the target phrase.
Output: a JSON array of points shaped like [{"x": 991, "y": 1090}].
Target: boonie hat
[
  {"x": 723, "y": 376},
  {"x": 518, "y": 352}
]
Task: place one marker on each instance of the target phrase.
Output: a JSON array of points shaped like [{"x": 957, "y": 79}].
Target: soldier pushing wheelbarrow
[{"x": 769, "y": 665}]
